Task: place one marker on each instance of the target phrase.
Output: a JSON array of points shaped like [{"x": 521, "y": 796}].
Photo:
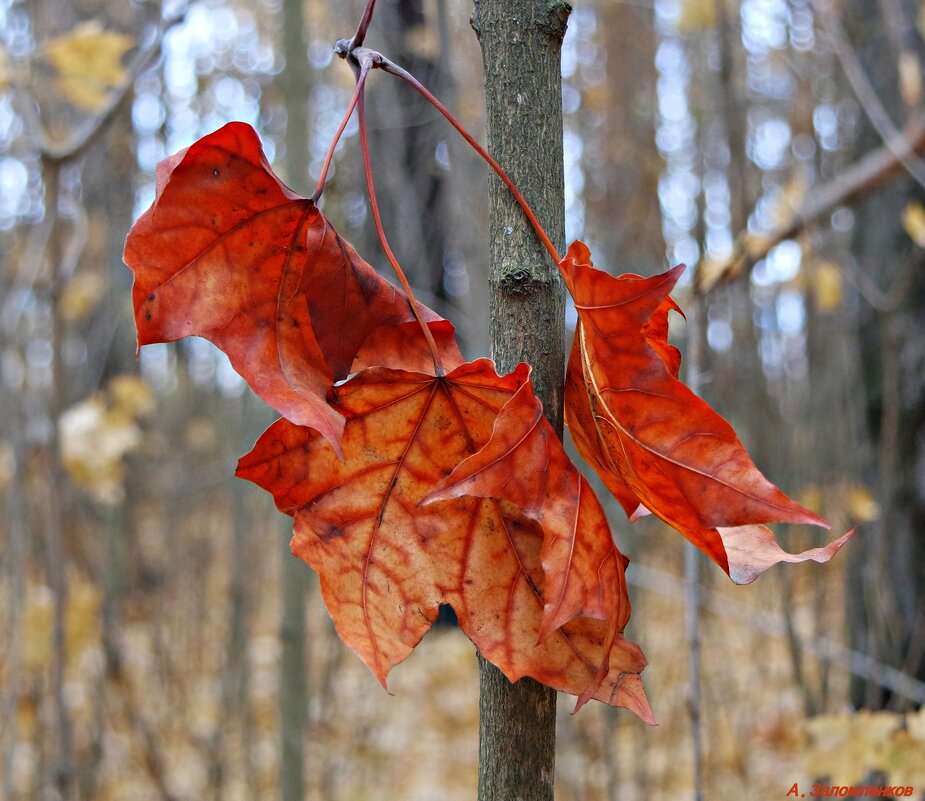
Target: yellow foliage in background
[
  {"x": 131, "y": 396},
  {"x": 36, "y": 647},
  {"x": 854, "y": 502},
  {"x": 910, "y": 78},
  {"x": 98, "y": 432},
  {"x": 4, "y": 68},
  {"x": 844, "y": 748},
  {"x": 81, "y": 622},
  {"x": 812, "y": 498},
  {"x": 914, "y": 222},
  {"x": 7, "y": 464},
  {"x": 81, "y": 296},
  {"x": 200, "y": 434},
  {"x": 861, "y": 504},
  {"x": 696, "y": 16},
  {"x": 787, "y": 199},
  {"x": 827, "y": 285},
  {"x": 88, "y": 63}
]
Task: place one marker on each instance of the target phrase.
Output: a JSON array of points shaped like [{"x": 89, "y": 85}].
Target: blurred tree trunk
[
  {"x": 622, "y": 189},
  {"x": 409, "y": 147},
  {"x": 887, "y": 611},
  {"x": 293, "y": 676},
  {"x": 108, "y": 337},
  {"x": 521, "y": 44}
]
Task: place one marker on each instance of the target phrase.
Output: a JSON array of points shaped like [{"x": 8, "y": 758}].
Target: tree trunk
[
  {"x": 521, "y": 42},
  {"x": 887, "y": 612},
  {"x": 293, "y": 670},
  {"x": 405, "y": 139}
]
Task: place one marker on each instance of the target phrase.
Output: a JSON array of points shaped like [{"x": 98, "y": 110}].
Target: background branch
[{"x": 870, "y": 173}]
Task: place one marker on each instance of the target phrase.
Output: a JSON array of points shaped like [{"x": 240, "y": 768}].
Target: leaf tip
[
  {"x": 632, "y": 696},
  {"x": 753, "y": 549}
]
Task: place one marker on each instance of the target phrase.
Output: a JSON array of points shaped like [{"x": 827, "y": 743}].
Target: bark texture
[{"x": 521, "y": 43}]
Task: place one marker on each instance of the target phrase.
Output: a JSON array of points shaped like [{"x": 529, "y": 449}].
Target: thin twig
[
  {"x": 864, "y": 90},
  {"x": 916, "y": 647},
  {"x": 393, "y": 69},
  {"x": 696, "y": 321},
  {"x": 56, "y": 557},
  {"x": 358, "y": 55},
  {"x": 865, "y": 176},
  {"x": 323, "y": 177},
  {"x": 892, "y": 298},
  {"x": 770, "y": 625},
  {"x": 360, "y": 36},
  {"x": 694, "y": 680}
]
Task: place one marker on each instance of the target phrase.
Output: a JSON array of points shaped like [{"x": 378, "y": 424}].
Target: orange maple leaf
[
  {"x": 655, "y": 444},
  {"x": 229, "y": 253},
  {"x": 387, "y": 561},
  {"x": 524, "y": 464}
]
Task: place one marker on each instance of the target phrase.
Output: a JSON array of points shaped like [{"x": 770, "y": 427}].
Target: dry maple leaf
[
  {"x": 525, "y": 465},
  {"x": 229, "y": 253},
  {"x": 403, "y": 346},
  {"x": 387, "y": 562},
  {"x": 655, "y": 444}
]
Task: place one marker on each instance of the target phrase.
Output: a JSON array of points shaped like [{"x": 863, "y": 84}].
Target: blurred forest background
[{"x": 157, "y": 641}]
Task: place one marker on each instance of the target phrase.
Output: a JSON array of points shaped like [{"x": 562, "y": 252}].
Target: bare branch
[
  {"x": 771, "y": 625},
  {"x": 79, "y": 143},
  {"x": 864, "y": 90},
  {"x": 876, "y": 169}
]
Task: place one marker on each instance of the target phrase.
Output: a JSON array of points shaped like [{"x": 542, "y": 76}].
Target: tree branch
[
  {"x": 80, "y": 142},
  {"x": 870, "y": 173},
  {"x": 864, "y": 90},
  {"x": 769, "y": 624}
]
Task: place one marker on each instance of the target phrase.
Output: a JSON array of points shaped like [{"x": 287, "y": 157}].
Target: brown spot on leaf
[{"x": 331, "y": 532}]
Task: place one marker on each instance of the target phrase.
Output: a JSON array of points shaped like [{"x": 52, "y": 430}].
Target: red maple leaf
[
  {"x": 655, "y": 444},
  {"x": 524, "y": 465},
  {"x": 387, "y": 561},
  {"x": 229, "y": 253}
]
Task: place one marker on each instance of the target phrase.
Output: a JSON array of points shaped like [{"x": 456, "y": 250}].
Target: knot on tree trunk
[
  {"x": 520, "y": 280},
  {"x": 554, "y": 20},
  {"x": 551, "y": 18}
]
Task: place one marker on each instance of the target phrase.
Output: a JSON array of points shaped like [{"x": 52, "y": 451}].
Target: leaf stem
[
  {"x": 393, "y": 69},
  {"x": 377, "y": 219},
  {"x": 360, "y": 35},
  {"x": 357, "y": 92}
]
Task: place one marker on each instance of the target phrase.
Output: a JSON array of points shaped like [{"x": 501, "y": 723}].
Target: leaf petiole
[
  {"x": 360, "y": 35},
  {"x": 390, "y": 67},
  {"x": 377, "y": 219},
  {"x": 361, "y": 74},
  {"x": 362, "y": 59}
]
